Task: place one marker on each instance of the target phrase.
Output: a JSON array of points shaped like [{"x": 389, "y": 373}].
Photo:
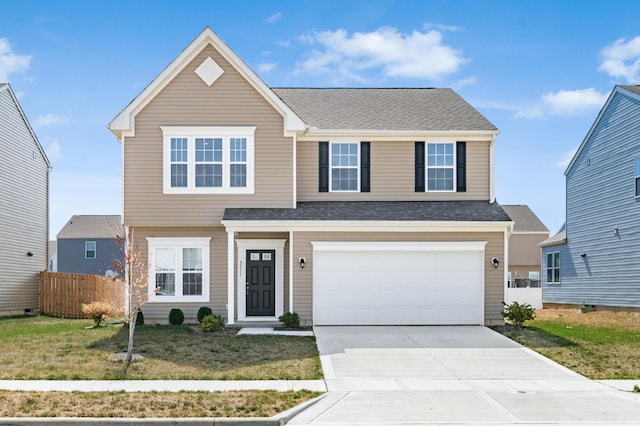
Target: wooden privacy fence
[{"x": 62, "y": 295}]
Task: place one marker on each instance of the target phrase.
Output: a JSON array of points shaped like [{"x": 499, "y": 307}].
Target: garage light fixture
[
  {"x": 301, "y": 262},
  {"x": 495, "y": 261}
]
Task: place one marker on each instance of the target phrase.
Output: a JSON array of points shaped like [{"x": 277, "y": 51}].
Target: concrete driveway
[{"x": 467, "y": 375}]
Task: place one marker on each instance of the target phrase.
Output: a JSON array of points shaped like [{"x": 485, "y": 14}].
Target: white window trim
[
  {"x": 243, "y": 246},
  {"x": 95, "y": 250},
  {"x": 331, "y": 166},
  {"x": 180, "y": 243},
  {"x": 193, "y": 132},
  {"x": 426, "y": 166},
  {"x": 547, "y": 267},
  {"x": 636, "y": 166}
]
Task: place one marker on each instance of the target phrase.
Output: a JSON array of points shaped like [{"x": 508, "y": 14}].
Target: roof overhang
[
  {"x": 363, "y": 226},
  {"x": 314, "y": 134},
  {"x": 123, "y": 125}
]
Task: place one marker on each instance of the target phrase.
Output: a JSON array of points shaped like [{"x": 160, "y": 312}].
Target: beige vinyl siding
[
  {"x": 24, "y": 217},
  {"x": 393, "y": 174},
  {"x": 524, "y": 250},
  {"x": 188, "y": 101},
  {"x": 302, "y": 279},
  {"x": 157, "y": 312}
]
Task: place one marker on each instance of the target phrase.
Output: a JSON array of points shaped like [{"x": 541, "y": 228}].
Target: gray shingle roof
[
  {"x": 92, "y": 226},
  {"x": 559, "y": 238},
  {"x": 383, "y": 109},
  {"x": 481, "y": 211},
  {"x": 525, "y": 220}
]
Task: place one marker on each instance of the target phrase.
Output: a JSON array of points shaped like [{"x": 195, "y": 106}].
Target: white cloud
[
  {"x": 622, "y": 59},
  {"x": 564, "y": 103},
  {"x": 274, "y": 18},
  {"x": 469, "y": 81},
  {"x": 441, "y": 27},
  {"x": 267, "y": 66},
  {"x": 285, "y": 43},
  {"x": 347, "y": 57},
  {"x": 566, "y": 159},
  {"x": 49, "y": 120},
  {"x": 569, "y": 103},
  {"x": 54, "y": 151},
  {"x": 11, "y": 63}
]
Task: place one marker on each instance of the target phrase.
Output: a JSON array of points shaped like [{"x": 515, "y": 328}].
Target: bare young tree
[{"x": 133, "y": 270}]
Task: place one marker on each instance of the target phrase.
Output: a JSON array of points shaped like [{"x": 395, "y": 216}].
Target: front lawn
[
  {"x": 598, "y": 345},
  {"x": 61, "y": 349}
]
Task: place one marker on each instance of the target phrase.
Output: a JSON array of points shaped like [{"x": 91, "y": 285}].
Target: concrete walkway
[{"x": 465, "y": 375}]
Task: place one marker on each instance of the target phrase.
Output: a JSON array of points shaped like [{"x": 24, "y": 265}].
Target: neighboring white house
[{"x": 24, "y": 208}]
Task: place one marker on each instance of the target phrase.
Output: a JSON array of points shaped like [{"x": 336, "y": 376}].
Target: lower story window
[
  {"x": 179, "y": 269},
  {"x": 553, "y": 267}
]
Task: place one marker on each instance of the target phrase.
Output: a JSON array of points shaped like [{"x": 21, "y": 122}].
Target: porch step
[{"x": 255, "y": 324}]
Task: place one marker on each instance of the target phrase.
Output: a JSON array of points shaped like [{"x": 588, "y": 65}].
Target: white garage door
[{"x": 376, "y": 283}]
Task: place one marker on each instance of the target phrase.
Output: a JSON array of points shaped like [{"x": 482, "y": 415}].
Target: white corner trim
[{"x": 243, "y": 246}]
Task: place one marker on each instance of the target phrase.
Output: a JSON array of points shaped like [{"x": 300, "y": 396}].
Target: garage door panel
[{"x": 417, "y": 286}]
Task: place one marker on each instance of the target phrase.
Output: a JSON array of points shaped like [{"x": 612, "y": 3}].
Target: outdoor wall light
[
  {"x": 30, "y": 253},
  {"x": 615, "y": 231},
  {"x": 495, "y": 261},
  {"x": 301, "y": 262},
  {"x": 583, "y": 254}
]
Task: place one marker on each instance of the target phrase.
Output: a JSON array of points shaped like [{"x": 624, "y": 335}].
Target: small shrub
[
  {"x": 517, "y": 313},
  {"x": 203, "y": 312},
  {"x": 636, "y": 389},
  {"x": 140, "y": 318},
  {"x": 290, "y": 320},
  {"x": 97, "y": 311},
  {"x": 176, "y": 316},
  {"x": 211, "y": 323}
]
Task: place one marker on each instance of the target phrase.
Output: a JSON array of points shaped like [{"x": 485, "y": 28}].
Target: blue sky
[{"x": 539, "y": 70}]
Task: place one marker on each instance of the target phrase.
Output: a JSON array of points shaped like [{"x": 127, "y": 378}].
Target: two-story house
[
  {"x": 87, "y": 244},
  {"x": 595, "y": 258},
  {"x": 24, "y": 208},
  {"x": 347, "y": 206}
]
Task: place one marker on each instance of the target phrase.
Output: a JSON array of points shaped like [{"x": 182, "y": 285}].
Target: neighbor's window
[
  {"x": 534, "y": 279},
  {"x": 89, "y": 249},
  {"x": 440, "y": 166},
  {"x": 637, "y": 178},
  {"x": 179, "y": 269},
  {"x": 208, "y": 159},
  {"x": 345, "y": 164},
  {"x": 553, "y": 267}
]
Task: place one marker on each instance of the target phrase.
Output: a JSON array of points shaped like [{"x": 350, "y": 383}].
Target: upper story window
[
  {"x": 637, "y": 177},
  {"x": 208, "y": 159},
  {"x": 440, "y": 166},
  {"x": 345, "y": 166},
  {"x": 553, "y": 267},
  {"x": 89, "y": 249},
  {"x": 179, "y": 269}
]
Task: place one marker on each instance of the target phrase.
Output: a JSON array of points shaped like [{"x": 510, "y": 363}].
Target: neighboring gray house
[
  {"x": 595, "y": 258},
  {"x": 87, "y": 244},
  {"x": 24, "y": 208}
]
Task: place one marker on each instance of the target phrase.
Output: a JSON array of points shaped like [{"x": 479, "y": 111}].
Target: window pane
[
  {"x": 556, "y": 275},
  {"x": 238, "y": 149},
  {"x": 165, "y": 259},
  {"x": 638, "y": 187},
  {"x": 238, "y": 178},
  {"x": 166, "y": 284},
  {"x": 549, "y": 275},
  {"x": 178, "y": 150},
  {"x": 178, "y": 175},
  {"x": 192, "y": 259},
  {"x": 556, "y": 258},
  {"x": 549, "y": 260},
  {"x": 192, "y": 284},
  {"x": 217, "y": 150},
  {"x": 344, "y": 179}
]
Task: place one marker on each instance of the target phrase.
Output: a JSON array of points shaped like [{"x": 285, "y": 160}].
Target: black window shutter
[
  {"x": 420, "y": 172},
  {"x": 365, "y": 166},
  {"x": 461, "y": 167},
  {"x": 323, "y": 163}
]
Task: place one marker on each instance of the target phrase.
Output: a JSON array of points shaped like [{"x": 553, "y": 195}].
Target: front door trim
[{"x": 245, "y": 245}]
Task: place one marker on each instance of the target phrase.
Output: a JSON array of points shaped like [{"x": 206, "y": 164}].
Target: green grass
[
  {"x": 62, "y": 349},
  {"x": 599, "y": 345}
]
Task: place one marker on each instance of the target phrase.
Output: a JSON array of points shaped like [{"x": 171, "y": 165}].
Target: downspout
[{"x": 290, "y": 271}]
